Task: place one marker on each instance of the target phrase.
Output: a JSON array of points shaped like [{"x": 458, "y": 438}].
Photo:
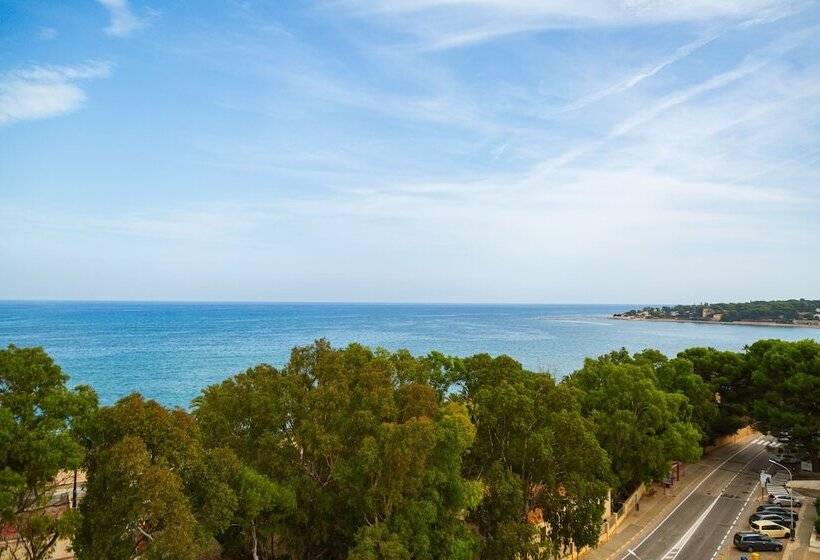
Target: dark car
[
  {"x": 751, "y": 542},
  {"x": 778, "y": 518},
  {"x": 785, "y": 512}
]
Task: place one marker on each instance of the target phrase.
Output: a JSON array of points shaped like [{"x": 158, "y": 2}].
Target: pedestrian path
[{"x": 652, "y": 508}]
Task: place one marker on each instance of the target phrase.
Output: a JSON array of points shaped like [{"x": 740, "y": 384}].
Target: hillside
[{"x": 785, "y": 312}]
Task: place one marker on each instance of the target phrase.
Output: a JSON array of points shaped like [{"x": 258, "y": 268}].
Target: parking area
[{"x": 776, "y": 485}]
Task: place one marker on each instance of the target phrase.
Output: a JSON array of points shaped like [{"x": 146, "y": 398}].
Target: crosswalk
[{"x": 768, "y": 442}]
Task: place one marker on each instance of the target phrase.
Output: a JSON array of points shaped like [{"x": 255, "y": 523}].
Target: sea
[{"x": 171, "y": 351}]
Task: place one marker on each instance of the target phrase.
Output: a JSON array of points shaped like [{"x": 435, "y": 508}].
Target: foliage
[
  {"x": 678, "y": 376},
  {"x": 372, "y": 455},
  {"x": 726, "y": 375},
  {"x": 783, "y": 311},
  {"x": 642, "y": 427},
  {"x": 537, "y": 458},
  {"x": 37, "y": 413},
  {"x": 152, "y": 491},
  {"x": 785, "y": 378},
  {"x": 364, "y": 454}
]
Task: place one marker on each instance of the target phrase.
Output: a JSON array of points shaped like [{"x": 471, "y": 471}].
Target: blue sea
[{"x": 170, "y": 351}]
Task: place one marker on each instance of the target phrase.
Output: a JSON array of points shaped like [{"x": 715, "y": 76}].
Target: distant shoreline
[{"x": 742, "y": 323}]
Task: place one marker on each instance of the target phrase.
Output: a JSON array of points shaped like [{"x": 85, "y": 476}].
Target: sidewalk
[
  {"x": 652, "y": 509},
  {"x": 799, "y": 550}
]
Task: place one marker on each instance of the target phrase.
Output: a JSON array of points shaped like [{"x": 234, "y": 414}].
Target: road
[{"x": 703, "y": 519}]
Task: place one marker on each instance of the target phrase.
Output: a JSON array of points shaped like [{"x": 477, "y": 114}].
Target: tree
[
  {"x": 369, "y": 451},
  {"x": 135, "y": 508},
  {"x": 678, "y": 376},
  {"x": 727, "y": 376},
  {"x": 152, "y": 490},
  {"x": 642, "y": 427},
  {"x": 785, "y": 379},
  {"x": 537, "y": 458},
  {"x": 37, "y": 413}
]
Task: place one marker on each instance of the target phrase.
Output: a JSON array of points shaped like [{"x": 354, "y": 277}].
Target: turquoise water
[{"x": 169, "y": 351}]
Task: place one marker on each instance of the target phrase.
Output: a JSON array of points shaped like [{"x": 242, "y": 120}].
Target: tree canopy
[
  {"x": 373, "y": 457},
  {"x": 785, "y": 380},
  {"x": 546, "y": 477},
  {"x": 153, "y": 491},
  {"x": 360, "y": 454},
  {"x": 37, "y": 415},
  {"x": 643, "y": 427}
]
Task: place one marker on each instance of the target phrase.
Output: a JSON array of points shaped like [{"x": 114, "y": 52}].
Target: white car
[
  {"x": 784, "y": 500},
  {"x": 770, "y": 529}
]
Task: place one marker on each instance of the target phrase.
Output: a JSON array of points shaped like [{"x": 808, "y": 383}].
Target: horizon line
[{"x": 306, "y": 302}]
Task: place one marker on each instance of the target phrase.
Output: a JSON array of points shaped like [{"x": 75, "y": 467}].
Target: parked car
[
  {"x": 776, "y": 517},
  {"x": 785, "y": 512},
  {"x": 750, "y": 541},
  {"x": 784, "y": 500},
  {"x": 771, "y": 529},
  {"x": 785, "y": 458}
]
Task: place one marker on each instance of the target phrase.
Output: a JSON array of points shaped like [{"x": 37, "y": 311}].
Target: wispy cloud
[
  {"x": 631, "y": 81},
  {"x": 123, "y": 21},
  {"x": 39, "y": 92},
  {"x": 749, "y": 66},
  {"x": 443, "y": 24}
]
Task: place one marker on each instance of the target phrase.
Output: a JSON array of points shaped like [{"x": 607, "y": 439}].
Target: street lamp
[{"x": 791, "y": 499}]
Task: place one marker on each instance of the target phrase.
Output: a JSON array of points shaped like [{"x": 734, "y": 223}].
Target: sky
[{"x": 547, "y": 151}]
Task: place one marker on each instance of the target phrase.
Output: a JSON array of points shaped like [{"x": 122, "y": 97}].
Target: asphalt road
[{"x": 704, "y": 518}]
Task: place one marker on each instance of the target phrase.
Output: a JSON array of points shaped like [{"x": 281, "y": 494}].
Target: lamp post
[{"x": 791, "y": 499}]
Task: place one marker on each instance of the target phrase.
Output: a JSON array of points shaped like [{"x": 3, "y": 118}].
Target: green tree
[
  {"x": 537, "y": 458},
  {"x": 642, "y": 427},
  {"x": 371, "y": 454},
  {"x": 37, "y": 414},
  {"x": 727, "y": 376},
  {"x": 678, "y": 376},
  {"x": 785, "y": 378},
  {"x": 152, "y": 490}
]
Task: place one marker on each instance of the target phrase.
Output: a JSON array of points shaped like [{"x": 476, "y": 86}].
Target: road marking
[
  {"x": 734, "y": 523},
  {"x": 673, "y": 553},
  {"x": 675, "y": 550},
  {"x": 689, "y": 495}
]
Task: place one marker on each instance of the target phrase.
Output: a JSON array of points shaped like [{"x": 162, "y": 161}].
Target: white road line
[
  {"x": 691, "y": 531},
  {"x": 689, "y": 495},
  {"x": 734, "y": 524},
  {"x": 675, "y": 550}
]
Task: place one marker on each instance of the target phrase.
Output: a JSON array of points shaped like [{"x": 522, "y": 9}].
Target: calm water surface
[{"x": 169, "y": 351}]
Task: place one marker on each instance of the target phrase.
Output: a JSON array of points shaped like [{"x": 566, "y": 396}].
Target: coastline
[{"x": 741, "y": 323}]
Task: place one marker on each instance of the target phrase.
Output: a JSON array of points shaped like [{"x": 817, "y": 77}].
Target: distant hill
[{"x": 783, "y": 312}]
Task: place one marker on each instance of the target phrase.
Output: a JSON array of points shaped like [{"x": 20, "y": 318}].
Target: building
[{"x": 68, "y": 489}]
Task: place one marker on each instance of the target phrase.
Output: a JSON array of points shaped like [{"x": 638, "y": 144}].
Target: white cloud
[
  {"x": 443, "y": 24},
  {"x": 39, "y": 92},
  {"x": 123, "y": 20},
  {"x": 635, "y": 79}
]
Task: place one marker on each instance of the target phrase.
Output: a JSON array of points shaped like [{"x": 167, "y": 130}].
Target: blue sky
[{"x": 410, "y": 150}]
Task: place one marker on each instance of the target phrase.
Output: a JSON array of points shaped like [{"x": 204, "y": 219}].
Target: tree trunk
[{"x": 253, "y": 534}]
